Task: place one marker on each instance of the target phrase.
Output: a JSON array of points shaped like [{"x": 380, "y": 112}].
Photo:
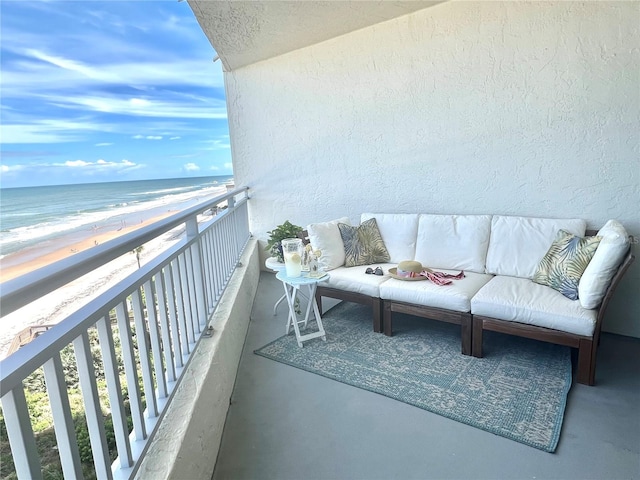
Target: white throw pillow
[
  {"x": 517, "y": 244},
  {"x": 326, "y": 238},
  {"x": 604, "y": 264},
  {"x": 398, "y": 232},
  {"x": 454, "y": 242}
]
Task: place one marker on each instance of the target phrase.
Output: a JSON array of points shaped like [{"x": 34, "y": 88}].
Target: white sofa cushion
[
  {"x": 453, "y": 241},
  {"x": 326, "y": 238},
  {"x": 604, "y": 264},
  {"x": 517, "y": 244},
  {"x": 353, "y": 279},
  {"x": 523, "y": 301},
  {"x": 398, "y": 231},
  {"x": 456, "y": 296}
]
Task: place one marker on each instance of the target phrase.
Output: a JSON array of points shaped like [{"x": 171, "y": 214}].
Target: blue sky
[{"x": 94, "y": 91}]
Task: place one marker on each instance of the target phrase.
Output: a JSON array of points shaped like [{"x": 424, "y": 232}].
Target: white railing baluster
[
  {"x": 218, "y": 260},
  {"x": 191, "y": 298},
  {"x": 187, "y": 320},
  {"x": 23, "y": 443},
  {"x": 62, "y": 418},
  {"x": 173, "y": 314},
  {"x": 182, "y": 287},
  {"x": 228, "y": 247},
  {"x": 198, "y": 280},
  {"x": 165, "y": 328},
  {"x": 194, "y": 270},
  {"x": 156, "y": 348},
  {"x": 223, "y": 249},
  {"x": 92, "y": 408},
  {"x": 182, "y": 324},
  {"x": 144, "y": 354},
  {"x": 116, "y": 401},
  {"x": 209, "y": 263},
  {"x": 131, "y": 372},
  {"x": 206, "y": 270}
]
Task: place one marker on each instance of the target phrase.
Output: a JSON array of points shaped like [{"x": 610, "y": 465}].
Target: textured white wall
[{"x": 466, "y": 107}]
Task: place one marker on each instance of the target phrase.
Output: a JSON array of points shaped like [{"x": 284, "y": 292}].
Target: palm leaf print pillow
[
  {"x": 565, "y": 262},
  {"x": 363, "y": 245}
]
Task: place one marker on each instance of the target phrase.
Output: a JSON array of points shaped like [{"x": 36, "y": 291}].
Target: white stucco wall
[{"x": 467, "y": 107}]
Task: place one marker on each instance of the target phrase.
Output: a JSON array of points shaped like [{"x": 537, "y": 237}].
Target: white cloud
[
  {"x": 154, "y": 137},
  {"x": 228, "y": 166},
  {"x": 139, "y": 102},
  {"x": 191, "y": 167},
  {"x": 174, "y": 138},
  {"x": 74, "y": 163},
  {"x": 98, "y": 164},
  {"x": 103, "y": 144}
]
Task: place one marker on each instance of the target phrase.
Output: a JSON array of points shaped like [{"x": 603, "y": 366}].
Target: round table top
[
  {"x": 272, "y": 263},
  {"x": 303, "y": 279}
]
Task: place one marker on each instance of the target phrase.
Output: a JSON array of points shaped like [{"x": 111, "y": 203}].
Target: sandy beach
[{"x": 54, "y": 307}]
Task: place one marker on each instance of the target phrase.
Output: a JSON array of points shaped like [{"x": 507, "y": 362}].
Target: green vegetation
[
  {"x": 286, "y": 230},
  {"x": 42, "y": 419}
]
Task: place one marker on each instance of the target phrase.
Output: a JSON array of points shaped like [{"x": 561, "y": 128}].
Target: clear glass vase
[{"x": 292, "y": 252}]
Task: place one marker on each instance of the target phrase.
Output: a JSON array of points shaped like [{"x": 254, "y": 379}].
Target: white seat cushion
[
  {"x": 398, "y": 230},
  {"x": 604, "y": 264},
  {"x": 353, "y": 279},
  {"x": 518, "y": 244},
  {"x": 456, "y": 296},
  {"x": 326, "y": 238},
  {"x": 453, "y": 241},
  {"x": 523, "y": 301}
]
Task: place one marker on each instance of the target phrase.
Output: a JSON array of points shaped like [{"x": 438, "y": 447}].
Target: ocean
[{"x": 42, "y": 217}]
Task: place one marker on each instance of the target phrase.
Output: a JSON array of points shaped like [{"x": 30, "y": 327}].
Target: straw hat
[{"x": 408, "y": 270}]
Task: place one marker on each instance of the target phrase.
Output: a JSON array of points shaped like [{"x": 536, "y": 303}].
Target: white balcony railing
[{"x": 170, "y": 299}]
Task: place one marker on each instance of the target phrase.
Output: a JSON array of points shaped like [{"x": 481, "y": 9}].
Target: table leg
[
  {"x": 275, "y": 307},
  {"x": 291, "y": 292},
  {"x": 316, "y": 310}
]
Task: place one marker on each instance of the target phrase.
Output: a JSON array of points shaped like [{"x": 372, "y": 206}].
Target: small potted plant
[{"x": 286, "y": 230}]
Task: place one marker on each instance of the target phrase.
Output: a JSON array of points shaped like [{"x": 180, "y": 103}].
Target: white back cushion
[
  {"x": 398, "y": 231},
  {"x": 518, "y": 244},
  {"x": 604, "y": 264},
  {"x": 455, "y": 242},
  {"x": 326, "y": 238}
]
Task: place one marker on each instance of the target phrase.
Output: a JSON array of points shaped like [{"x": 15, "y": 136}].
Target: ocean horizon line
[{"x": 113, "y": 181}]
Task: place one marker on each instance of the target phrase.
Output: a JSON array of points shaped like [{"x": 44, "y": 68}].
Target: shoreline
[
  {"x": 54, "y": 307},
  {"x": 25, "y": 261},
  {"x": 62, "y": 302}
]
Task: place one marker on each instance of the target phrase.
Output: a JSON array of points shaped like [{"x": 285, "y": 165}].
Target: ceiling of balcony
[{"x": 245, "y": 32}]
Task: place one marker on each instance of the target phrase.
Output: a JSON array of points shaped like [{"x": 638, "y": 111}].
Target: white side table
[
  {"x": 272, "y": 263},
  {"x": 291, "y": 288}
]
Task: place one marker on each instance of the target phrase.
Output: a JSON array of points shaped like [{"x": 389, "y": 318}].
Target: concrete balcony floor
[{"x": 285, "y": 423}]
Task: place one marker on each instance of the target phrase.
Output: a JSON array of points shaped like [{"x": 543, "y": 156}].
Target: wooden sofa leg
[
  {"x": 586, "y": 362},
  {"x": 465, "y": 333},
  {"x": 476, "y": 337},
  {"x": 377, "y": 315},
  {"x": 387, "y": 327}
]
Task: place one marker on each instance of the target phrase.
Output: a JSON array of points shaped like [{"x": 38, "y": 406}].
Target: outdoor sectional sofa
[{"x": 499, "y": 256}]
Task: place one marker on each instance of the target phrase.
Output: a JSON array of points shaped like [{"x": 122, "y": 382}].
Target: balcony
[
  {"x": 212, "y": 407},
  {"x": 127, "y": 352}
]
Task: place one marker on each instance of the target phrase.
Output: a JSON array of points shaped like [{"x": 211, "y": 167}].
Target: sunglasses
[{"x": 377, "y": 271}]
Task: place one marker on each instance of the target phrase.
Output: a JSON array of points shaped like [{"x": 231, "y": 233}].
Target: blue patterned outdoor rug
[{"x": 518, "y": 390}]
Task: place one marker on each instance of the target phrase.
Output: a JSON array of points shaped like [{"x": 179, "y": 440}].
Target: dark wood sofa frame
[
  {"x": 473, "y": 326},
  {"x": 587, "y": 346}
]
